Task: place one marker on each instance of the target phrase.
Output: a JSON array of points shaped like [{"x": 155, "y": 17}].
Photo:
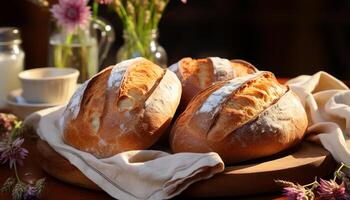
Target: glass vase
[
  {"x": 84, "y": 49},
  {"x": 146, "y": 46}
]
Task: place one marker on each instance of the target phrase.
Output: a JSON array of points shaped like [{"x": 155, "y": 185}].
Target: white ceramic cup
[{"x": 48, "y": 85}]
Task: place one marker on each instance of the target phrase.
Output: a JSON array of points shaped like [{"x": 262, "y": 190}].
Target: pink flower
[
  {"x": 12, "y": 152},
  {"x": 330, "y": 190},
  {"x": 104, "y": 1},
  {"x": 71, "y": 14},
  {"x": 184, "y": 1},
  {"x": 295, "y": 193},
  {"x": 7, "y": 124}
]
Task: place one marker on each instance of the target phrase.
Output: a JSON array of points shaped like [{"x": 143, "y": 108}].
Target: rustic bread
[
  {"x": 125, "y": 107},
  {"x": 198, "y": 74},
  {"x": 241, "y": 119}
]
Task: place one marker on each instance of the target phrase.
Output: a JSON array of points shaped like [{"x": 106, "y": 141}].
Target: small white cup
[{"x": 48, "y": 85}]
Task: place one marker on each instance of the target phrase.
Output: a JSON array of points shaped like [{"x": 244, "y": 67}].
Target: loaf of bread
[
  {"x": 124, "y": 107},
  {"x": 198, "y": 74},
  {"x": 241, "y": 119}
]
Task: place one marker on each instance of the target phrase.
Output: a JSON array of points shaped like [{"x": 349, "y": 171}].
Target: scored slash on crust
[
  {"x": 252, "y": 117},
  {"x": 126, "y": 107}
]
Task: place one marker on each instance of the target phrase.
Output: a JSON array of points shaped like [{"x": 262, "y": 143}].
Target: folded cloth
[
  {"x": 327, "y": 104},
  {"x": 141, "y": 174}
]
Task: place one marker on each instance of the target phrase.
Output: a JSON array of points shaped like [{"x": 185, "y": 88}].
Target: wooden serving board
[{"x": 300, "y": 164}]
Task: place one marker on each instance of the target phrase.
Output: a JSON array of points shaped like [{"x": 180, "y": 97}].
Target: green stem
[
  {"x": 158, "y": 17},
  {"x": 140, "y": 19},
  {"x": 62, "y": 52},
  {"x": 310, "y": 184},
  {"x": 67, "y": 51},
  {"x": 69, "y": 39},
  {"x": 338, "y": 170},
  {"x": 345, "y": 165},
  {"x": 132, "y": 30},
  {"x": 16, "y": 131},
  {"x": 153, "y": 16},
  {"x": 83, "y": 56},
  {"x": 94, "y": 10},
  {"x": 16, "y": 173}
]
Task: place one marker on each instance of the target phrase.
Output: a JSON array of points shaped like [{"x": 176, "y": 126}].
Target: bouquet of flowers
[
  {"x": 73, "y": 40},
  {"x": 140, "y": 19}
]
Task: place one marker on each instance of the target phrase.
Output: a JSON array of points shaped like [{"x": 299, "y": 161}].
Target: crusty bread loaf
[
  {"x": 241, "y": 119},
  {"x": 198, "y": 74},
  {"x": 125, "y": 107}
]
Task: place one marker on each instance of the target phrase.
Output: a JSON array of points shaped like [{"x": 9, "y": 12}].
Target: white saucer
[{"x": 21, "y": 108}]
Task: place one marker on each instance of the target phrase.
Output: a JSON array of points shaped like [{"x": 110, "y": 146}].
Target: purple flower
[
  {"x": 295, "y": 193},
  {"x": 12, "y": 152},
  {"x": 31, "y": 193},
  {"x": 104, "y": 1},
  {"x": 330, "y": 190},
  {"x": 71, "y": 14}
]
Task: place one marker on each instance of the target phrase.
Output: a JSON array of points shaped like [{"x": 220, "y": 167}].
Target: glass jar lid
[{"x": 9, "y": 35}]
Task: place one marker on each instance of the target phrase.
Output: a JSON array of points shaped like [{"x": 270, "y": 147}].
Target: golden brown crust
[
  {"x": 258, "y": 118},
  {"x": 245, "y": 103},
  {"x": 140, "y": 78},
  {"x": 195, "y": 75},
  {"x": 243, "y": 67},
  {"x": 92, "y": 106},
  {"x": 123, "y": 117},
  {"x": 198, "y": 74}
]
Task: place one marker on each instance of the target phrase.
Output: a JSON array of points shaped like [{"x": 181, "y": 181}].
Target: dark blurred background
[{"x": 286, "y": 37}]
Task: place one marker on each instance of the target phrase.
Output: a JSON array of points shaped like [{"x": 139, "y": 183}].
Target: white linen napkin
[
  {"x": 142, "y": 174},
  {"x": 327, "y": 103}
]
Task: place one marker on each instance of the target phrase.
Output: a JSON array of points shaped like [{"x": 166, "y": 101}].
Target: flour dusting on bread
[
  {"x": 213, "y": 102},
  {"x": 219, "y": 96},
  {"x": 100, "y": 120},
  {"x": 163, "y": 94},
  {"x": 74, "y": 104},
  {"x": 118, "y": 72},
  {"x": 223, "y": 69},
  {"x": 174, "y": 67}
]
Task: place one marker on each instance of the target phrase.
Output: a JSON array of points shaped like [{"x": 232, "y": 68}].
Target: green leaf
[
  {"x": 40, "y": 184},
  {"x": 8, "y": 184},
  {"x": 16, "y": 131},
  {"x": 18, "y": 191}
]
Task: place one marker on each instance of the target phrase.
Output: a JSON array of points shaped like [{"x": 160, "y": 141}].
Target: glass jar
[
  {"x": 83, "y": 49},
  {"x": 11, "y": 61},
  {"x": 146, "y": 46}
]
